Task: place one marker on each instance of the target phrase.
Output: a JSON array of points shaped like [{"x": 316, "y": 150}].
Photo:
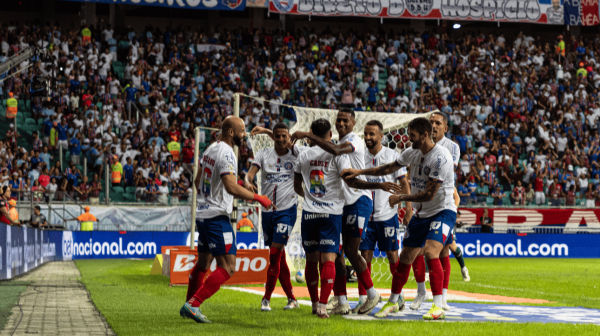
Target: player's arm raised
[
  {"x": 327, "y": 146},
  {"x": 424, "y": 196},
  {"x": 261, "y": 130},
  {"x": 382, "y": 170},
  {"x": 298, "y": 184}
]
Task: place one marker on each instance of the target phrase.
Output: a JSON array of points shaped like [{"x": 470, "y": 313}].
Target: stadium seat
[
  {"x": 130, "y": 190},
  {"x": 118, "y": 190},
  {"x": 489, "y": 200},
  {"x": 30, "y": 121}
]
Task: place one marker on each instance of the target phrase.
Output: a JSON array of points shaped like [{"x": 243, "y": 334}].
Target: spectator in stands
[
  {"x": 482, "y": 191},
  {"x": 486, "y": 222},
  {"x": 498, "y": 195},
  {"x": 94, "y": 190},
  {"x": 38, "y": 220}
]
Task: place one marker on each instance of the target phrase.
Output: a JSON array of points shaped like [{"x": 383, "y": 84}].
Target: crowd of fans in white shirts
[{"x": 528, "y": 132}]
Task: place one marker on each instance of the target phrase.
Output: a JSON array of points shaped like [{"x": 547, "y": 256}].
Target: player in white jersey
[
  {"x": 216, "y": 184},
  {"x": 384, "y": 224},
  {"x": 357, "y": 211},
  {"x": 323, "y": 194},
  {"x": 432, "y": 186},
  {"x": 276, "y": 165},
  {"x": 439, "y": 123}
]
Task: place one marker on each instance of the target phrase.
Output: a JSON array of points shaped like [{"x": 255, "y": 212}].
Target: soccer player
[
  {"x": 322, "y": 214},
  {"x": 277, "y": 180},
  {"x": 439, "y": 123},
  {"x": 432, "y": 186},
  {"x": 357, "y": 211},
  {"x": 216, "y": 183},
  {"x": 384, "y": 223}
]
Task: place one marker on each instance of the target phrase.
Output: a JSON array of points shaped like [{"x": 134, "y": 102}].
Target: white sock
[
  {"x": 444, "y": 291},
  {"x": 421, "y": 289},
  {"x": 342, "y": 299},
  {"x": 362, "y": 298},
  {"x": 394, "y": 298},
  {"x": 437, "y": 300},
  {"x": 371, "y": 293},
  {"x": 321, "y": 305}
]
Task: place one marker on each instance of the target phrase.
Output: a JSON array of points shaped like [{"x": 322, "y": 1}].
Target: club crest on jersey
[
  {"x": 426, "y": 170},
  {"x": 288, "y": 166},
  {"x": 441, "y": 160}
]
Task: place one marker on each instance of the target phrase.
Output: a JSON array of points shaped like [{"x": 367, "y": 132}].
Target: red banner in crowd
[{"x": 533, "y": 217}]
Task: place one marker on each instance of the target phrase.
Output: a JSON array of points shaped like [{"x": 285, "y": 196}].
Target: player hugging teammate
[{"x": 351, "y": 203}]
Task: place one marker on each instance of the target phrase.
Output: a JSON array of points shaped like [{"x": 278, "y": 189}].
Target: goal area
[{"x": 395, "y": 137}]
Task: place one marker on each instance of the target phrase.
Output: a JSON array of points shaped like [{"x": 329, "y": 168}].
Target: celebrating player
[
  {"x": 439, "y": 123},
  {"x": 277, "y": 167},
  {"x": 216, "y": 184},
  {"x": 357, "y": 211},
  {"x": 432, "y": 186},
  {"x": 384, "y": 223}
]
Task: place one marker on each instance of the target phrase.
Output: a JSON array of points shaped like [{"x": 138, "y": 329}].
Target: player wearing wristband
[
  {"x": 384, "y": 224},
  {"x": 216, "y": 184},
  {"x": 322, "y": 215},
  {"x": 357, "y": 211},
  {"x": 432, "y": 185},
  {"x": 276, "y": 165}
]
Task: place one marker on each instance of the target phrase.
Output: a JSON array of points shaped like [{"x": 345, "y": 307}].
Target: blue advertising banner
[
  {"x": 22, "y": 249},
  {"x": 237, "y": 5}
]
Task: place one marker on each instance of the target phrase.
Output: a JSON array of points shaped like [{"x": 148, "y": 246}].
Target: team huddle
[{"x": 352, "y": 191}]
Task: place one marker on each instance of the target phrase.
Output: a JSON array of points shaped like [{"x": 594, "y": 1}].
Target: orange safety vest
[
  {"x": 116, "y": 173},
  {"x": 175, "y": 154},
  {"x": 11, "y": 108}
]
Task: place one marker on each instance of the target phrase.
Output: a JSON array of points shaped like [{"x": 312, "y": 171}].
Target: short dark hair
[
  {"x": 421, "y": 125},
  {"x": 375, "y": 123},
  {"x": 320, "y": 127},
  {"x": 348, "y": 110},
  {"x": 280, "y": 125},
  {"x": 38, "y": 208},
  {"x": 443, "y": 115}
]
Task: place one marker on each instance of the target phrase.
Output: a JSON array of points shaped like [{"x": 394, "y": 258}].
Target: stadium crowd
[{"x": 527, "y": 130}]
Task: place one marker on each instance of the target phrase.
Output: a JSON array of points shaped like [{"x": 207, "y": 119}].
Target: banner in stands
[
  {"x": 557, "y": 12},
  {"x": 158, "y": 216},
  {"x": 570, "y": 218},
  {"x": 185, "y": 4},
  {"x": 209, "y": 47},
  {"x": 250, "y": 268}
]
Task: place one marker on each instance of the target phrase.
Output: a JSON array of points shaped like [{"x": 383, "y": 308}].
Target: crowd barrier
[{"x": 22, "y": 249}]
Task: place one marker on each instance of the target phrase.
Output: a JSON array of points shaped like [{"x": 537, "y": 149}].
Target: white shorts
[
  {"x": 63, "y": 143},
  {"x": 540, "y": 198}
]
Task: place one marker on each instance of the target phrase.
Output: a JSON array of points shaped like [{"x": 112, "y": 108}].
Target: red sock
[
  {"x": 339, "y": 287},
  {"x": 419, "y": 268},
  {"x": 400, "y": 277},
  {"x": 361, "y": 289},
  {"x": 436, "y": 276},
  {"x": 394, "y": 266},
  {"x": 364, "y": 277},
  {"x": 210, "y": 286},
  {"x": 311, "y": 274},
  {"x": 196, "y": 280},
  {"x": 327, "y": 280},
  {"x": 284, "y": 277},
  {"x": 446, "y": 267},
  {"x": 272, "y": 272}
]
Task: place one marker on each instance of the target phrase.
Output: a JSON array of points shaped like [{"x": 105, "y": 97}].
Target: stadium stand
[{"x": 528, "y": 131}]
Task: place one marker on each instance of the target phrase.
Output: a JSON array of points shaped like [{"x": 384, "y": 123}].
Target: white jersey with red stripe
[
  {"x": 357, "y": 161},
  {"x": 381, "y": 206},
  {"x": 322, "y": 182},
  {"x": 213, "y": 200},
  {"x": 277, "y": 176},
  {"x": 452, "y": 147},
  {"x": 435, "y": 165}
]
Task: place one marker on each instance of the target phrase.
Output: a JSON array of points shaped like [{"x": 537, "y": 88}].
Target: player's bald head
[
  {"x": 233, "y": 128},
  {"x": 233, "y": 123}
]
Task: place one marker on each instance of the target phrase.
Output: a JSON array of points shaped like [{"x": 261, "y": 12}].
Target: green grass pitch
[{"x": 136, "y": 303}]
